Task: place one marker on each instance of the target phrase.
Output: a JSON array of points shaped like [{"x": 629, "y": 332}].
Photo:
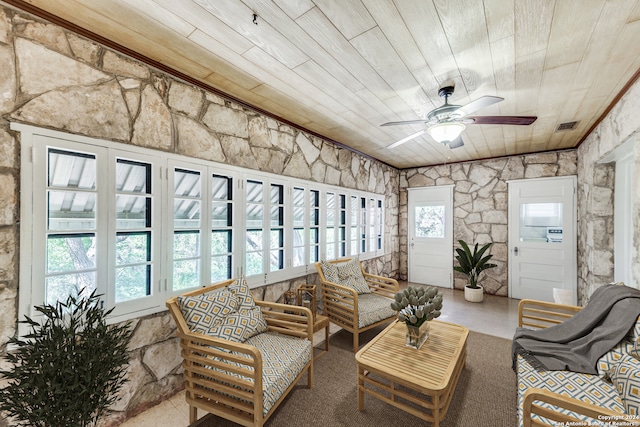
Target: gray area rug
[{"x": 485, "y": 394}]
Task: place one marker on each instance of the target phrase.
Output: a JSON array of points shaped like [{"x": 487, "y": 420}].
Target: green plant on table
[
  {"x": 68, "y": 369},
  {"x": 473, "y": 263},
  {"x": 416, "y": 305}
]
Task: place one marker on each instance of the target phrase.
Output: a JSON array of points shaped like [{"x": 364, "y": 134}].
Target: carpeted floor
[{"x": 485, "y": 394}]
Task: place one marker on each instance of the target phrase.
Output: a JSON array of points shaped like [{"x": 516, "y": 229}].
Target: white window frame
[{"x": 34, "y": 143}]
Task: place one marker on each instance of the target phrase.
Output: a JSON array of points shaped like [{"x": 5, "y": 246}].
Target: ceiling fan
[{"x": 446, "y": 123}]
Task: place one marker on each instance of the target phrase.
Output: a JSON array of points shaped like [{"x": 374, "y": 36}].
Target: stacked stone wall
[
  {"x": 54, "y": 79},
  {"x": 596, "y": 196},
  {"x": 480, "y": 203}
]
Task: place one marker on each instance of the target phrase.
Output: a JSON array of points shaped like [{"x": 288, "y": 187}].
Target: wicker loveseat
[
  {"x": 550, "y": 398},
  {"x": 241, "y": 357},
  {"x": 352, "y": 298}
]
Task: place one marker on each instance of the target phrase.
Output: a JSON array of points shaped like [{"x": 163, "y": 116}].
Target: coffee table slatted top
[{"x": 427, "y": 369}]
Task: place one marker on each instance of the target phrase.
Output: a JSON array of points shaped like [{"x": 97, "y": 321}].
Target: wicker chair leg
[
  {"x": 355, "y": 341},
  {"x": 193, "y": 414}
]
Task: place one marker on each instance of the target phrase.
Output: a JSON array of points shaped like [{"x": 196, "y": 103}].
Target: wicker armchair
[
  {"x": 536, "y": 401},
  {"x": 352, "y": 310},
  {"x": 242, "y": 381}
]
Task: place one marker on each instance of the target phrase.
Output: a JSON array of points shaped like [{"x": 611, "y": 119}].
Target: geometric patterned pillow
[
  {"x": 625, "y": 376},
  {"x": 238, "y": 326},
  {"x": 347, "y": 274},
  {"x": 203, "y": 312},
  {"x": 613, "y": 356},
  {"x": 250, "y": 318},
  {"x": 634, "y": 333}
]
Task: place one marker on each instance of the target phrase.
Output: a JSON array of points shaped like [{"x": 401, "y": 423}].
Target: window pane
[
  {"x": 220, "y": 268},
  {"x": 430, "y": 221},
  {"x": 221, "y": 242},
  {"x": 221, "y": 215},
  {"x": 254, "y": 239},
  {"x": 277, "y": 216},
  {"x": 255, "y": 213},
  {"x": 186, "y": 213},
  {"x": 254, "y": 263},
  {"x": 58, "y": 288},
  {"x": 186, "y": 244},
  {"x": 254, "y": 191},
  {"x": 133, "y": 248},
  {"x": 186, "y": 183},
  {"x": 133, "y": 212},
  {"x": 298, "y": 257},
  {"x": 71, "y": 170},
  {"x": 541, "y": 222},
  {"x": 71, "y": 210},
  {"x": 277, "y": 239},
  {"x": 70, "y": 252},
  {"x": 133, "y": 177},
  {"x": 298, "y": 217},
  {"x": 221, "y": 187},
  {"x": 133, "y": 282},
  {"x": 276, "y": 260},
  {"x": 277, "y": 194},
  {"x": 186, "y": 274}
]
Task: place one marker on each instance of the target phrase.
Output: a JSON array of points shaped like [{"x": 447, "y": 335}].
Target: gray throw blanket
[{"x": 577, "y": 343}]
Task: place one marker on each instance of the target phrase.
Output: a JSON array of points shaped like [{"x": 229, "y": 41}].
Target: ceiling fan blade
[
  {"x": 456, "y": 143},
  {"x": 502, "y": 120},
  {"x": 407, "y": 122},
  {"x": 478, "y": 104},
  {"x": 407, "y": 138}
]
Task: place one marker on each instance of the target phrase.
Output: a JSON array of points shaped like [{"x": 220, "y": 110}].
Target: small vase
[{"x": 417, "y": 335}]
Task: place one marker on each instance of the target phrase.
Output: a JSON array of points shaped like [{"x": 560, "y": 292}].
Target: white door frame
[{"x": 428, "y": 195}]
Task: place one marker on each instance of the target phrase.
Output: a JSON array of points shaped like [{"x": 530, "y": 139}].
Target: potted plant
[
  {"x": 472, "y": 264},
  {"x": 415, "y": 307},
  {"x": 68, "y": 369}
]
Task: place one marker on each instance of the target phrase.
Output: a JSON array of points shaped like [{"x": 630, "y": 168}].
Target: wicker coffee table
[{"x": 420, "y": 382}]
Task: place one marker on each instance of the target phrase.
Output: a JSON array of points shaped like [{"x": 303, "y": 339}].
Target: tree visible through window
[{"x": 429, "y": 221}]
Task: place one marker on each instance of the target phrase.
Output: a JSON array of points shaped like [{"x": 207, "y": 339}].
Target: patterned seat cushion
[
  {"x": 373, "y": 308},
  {"x": 347, "y": 274},
  {"x": 613, "y": 356},
  {"x": 625, "y": 376},
  {"x": 588, "y": 388},
  {"x": 283, "y": 358},
  {"x": 228, "y": 313}
]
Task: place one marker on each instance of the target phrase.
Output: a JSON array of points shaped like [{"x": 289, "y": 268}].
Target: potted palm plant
[{"x": 472, "y": 264}]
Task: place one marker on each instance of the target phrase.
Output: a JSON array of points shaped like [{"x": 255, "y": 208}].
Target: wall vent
[{"x": 566, "y": 126}]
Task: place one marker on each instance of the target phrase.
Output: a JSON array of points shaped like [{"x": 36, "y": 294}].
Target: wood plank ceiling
[{"x": 342, "y": 68}]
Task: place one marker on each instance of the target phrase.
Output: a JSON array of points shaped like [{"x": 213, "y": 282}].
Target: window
[
  {"x": 222, "y": 208},
  {"x": 187, "y": 206},
  {"x": 133, "y": 208},
  {"x": 71, "y": 224},
  {"x": 139, "y": 226}
]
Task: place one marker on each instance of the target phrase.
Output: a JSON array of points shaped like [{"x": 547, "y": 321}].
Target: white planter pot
[{"x": 474, "y": 295}]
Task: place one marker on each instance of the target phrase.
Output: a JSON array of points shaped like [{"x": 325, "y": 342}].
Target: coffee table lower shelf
[{"x": 419, "y": 382}]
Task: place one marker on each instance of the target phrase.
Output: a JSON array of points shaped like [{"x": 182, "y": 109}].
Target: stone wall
[
  {"x": 55, "y": 79},
  {"x": 480, "y": 200},
  {"x": 596, "y": 192}
]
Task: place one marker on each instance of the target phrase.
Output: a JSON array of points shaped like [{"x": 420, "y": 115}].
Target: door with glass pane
[
  {"x": 542, "y": 239},
  {"x": 430, "y": 251}
]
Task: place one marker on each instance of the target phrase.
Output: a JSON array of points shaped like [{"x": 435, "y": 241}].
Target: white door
[
  {"x": 542, "y": 239},
  {"x": 430, "y": 229}
]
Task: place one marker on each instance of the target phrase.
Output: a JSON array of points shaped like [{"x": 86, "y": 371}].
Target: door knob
[{"x": 515, "y": 251}]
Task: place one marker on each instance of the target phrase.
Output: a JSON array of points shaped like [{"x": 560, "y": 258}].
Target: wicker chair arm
[
  {"x": 542, "y": 314},
  {"x": 288, "y": 319},
  {"x": 531, "y": 406},
  {"x": 380, "y": 285}
]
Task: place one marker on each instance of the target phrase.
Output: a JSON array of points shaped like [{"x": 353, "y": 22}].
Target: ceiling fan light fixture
[{"x": 445, "y": 132}]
